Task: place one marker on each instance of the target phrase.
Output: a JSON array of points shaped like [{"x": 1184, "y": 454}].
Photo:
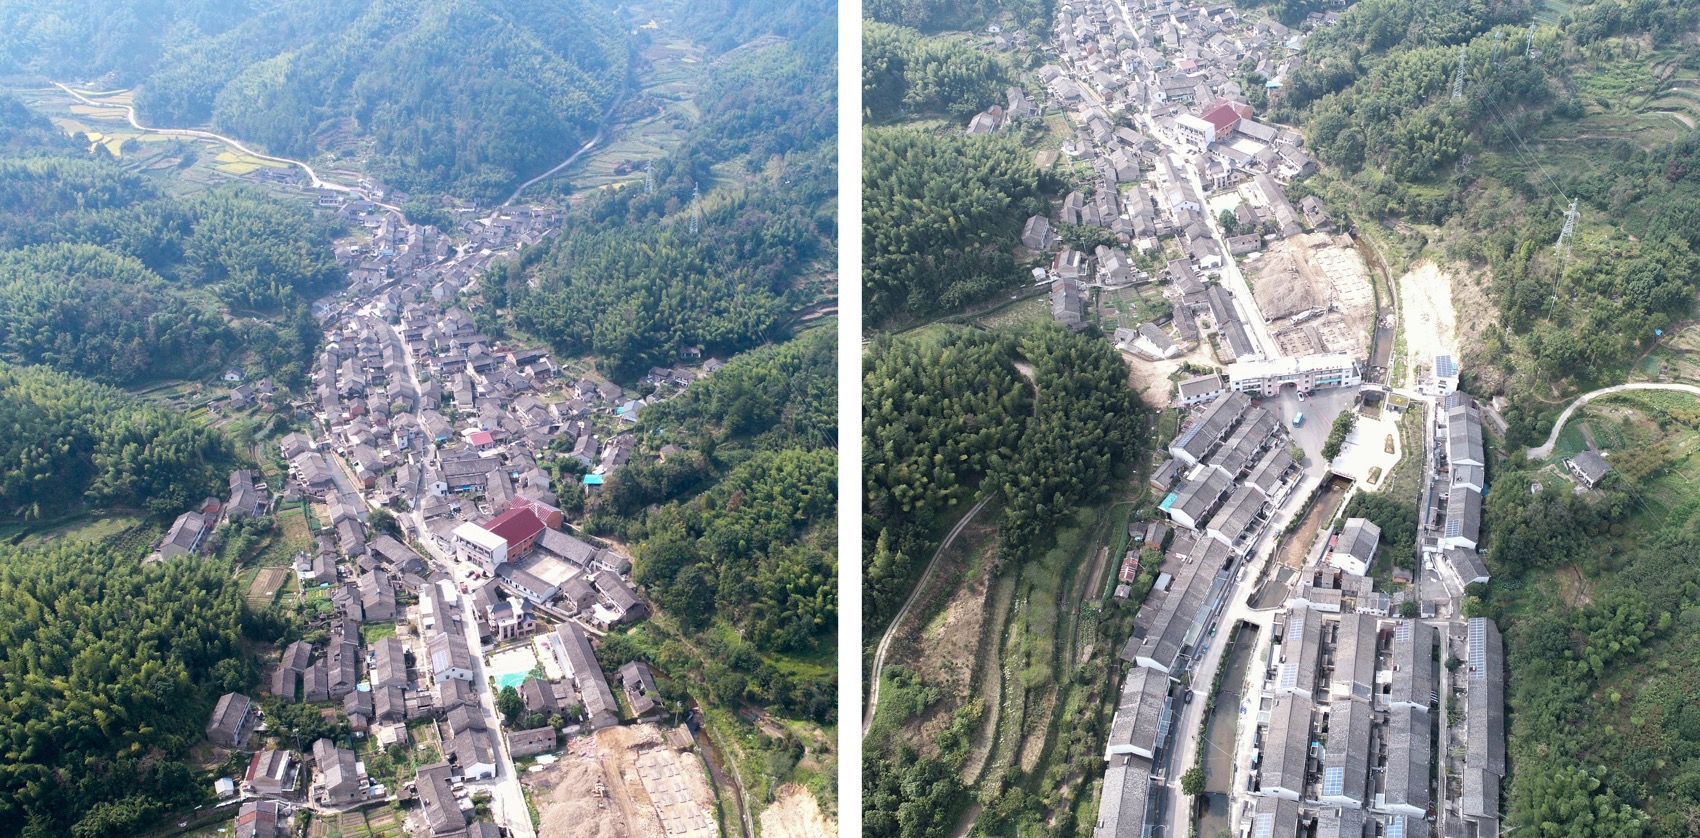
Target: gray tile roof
[
  {"x": 572, "y": 648},
  {"x": 1275, "y": 818},
  {"x": 1409, "y": 747},
  {"x": 1173, "y": 618},
  {"x": 1287, "y": 745},
  {"x": 1412, "y": 662},
  {"x": 1484, "y": 696},
  {"x": 1345, "y": 758},
  {"x": 1134, "y": 728},
  {"x": 1340, "y": 822},
  {"x": 1354, "y": 657},
  {"x": 1122, "y": 803},
  {"x": 442, "y": 811},
  {"x": 1359, "y": 538},
  {"x": 1200, "y": 497}
]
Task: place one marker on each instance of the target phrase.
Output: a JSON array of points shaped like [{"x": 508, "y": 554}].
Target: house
[
  {"x": 377, "y": 596},
  {"x": 389, "y": 663},
  {"x": 185, "y": 535},
  {"x": 638, "y": 682},
  {"x": 1201, "y": 389},
  {"x": 1355, "y": 548},
  {"x": 1286, "y": 747},
  {"x": 264, "y": 819},
  {"x": 233, "y": 721},
  {"x": 476, "y": 544},
  {"x": 450, "y": 657},
  {"x": 527, "y": 584},
  {"x": 443, "y": 815},
  {"x": 245, "y": 497},
  {"x": 1588, "y": 467},
  {"x": 472, "y": 752},
  {"x": 524, "y": 743},
  {"x": 1134, "y": 729},
  {"x": 295, "y": 444},
  {"x": 336, "y": 778},
  {"x": 271, "y": 773},
  {"x": 520, "y": 528},
  {"x": 573, "y": 653},
  {"x": 1037, "y": 234},
  {"x": 1068, "y": 303},
  {"x": 620, "y": 598}
]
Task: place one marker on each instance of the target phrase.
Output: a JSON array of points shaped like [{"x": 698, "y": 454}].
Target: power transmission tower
[
  {"x": 1498, "y": 38},
  {"x": 649, "y": 178},
  {"x": 696, "y": 210},
  {"x": 1529, "y": 52},
  {"x": 1458, "y": 77},
  {"x": 1569, "y": 226}
]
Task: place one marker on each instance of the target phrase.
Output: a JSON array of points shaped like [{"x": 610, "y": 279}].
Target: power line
[
  {"x": 1458, "y": 77},
  {"x": 1528, "y": 154}
]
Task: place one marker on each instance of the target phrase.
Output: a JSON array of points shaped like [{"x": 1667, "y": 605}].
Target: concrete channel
[{"x": 1219, "y": 737}]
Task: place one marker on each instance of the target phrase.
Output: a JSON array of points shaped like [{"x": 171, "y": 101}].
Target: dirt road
[
  {"x": 891, "y": 630},
  {"x": 1544, "y": 451}
]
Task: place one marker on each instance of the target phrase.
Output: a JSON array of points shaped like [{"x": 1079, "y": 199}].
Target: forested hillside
[
  {"x": 103, "y": 275},
  {"x": 737, "y": 528},
  {"x": 733, "y": 532},
  {"x": 111, "y": 669},
  {"x": 940, "y": 218},
  {"x": 943, "y": 422},
  {"x": 907, "y": 74},
  {"x": 725, "y": 24},
  {"x": 932, "y": 15},
  {"x": 454, "y": 96},
  {"x": 70, "y": 441},
  {"x": 1484, "y": 180},
  {"x": 629, "y": 283}
]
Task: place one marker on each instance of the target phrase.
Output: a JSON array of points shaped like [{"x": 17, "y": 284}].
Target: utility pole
[
  {"x": 1569, "y": 226},
  {"x": 1458, "y": 77}
]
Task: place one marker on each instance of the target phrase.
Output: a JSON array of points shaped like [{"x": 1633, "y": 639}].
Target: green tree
[
  {"x": 510, "y": 704},
  {"x": 1192, "y": 782}
]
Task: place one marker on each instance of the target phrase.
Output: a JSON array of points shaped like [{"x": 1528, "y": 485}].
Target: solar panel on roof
[
  {"x": 1396, "y": 826},
  {"x": 1445, "y": 367},
  {"x": 1264, "y": 826},
  {"x": 1333, "y": 781}
]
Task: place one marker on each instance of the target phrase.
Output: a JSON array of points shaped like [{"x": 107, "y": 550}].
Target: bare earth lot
[{"x": 618, "y": 783}]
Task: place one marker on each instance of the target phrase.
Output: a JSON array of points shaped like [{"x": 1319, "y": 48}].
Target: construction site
[
  {"x": 625, "y": 782},
  {"x": 1314, "y": 291}
]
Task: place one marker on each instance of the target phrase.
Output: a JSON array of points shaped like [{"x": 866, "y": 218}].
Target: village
[
  {"x": 1350, "y": 698},
  {"x": 478, "y": 587}
]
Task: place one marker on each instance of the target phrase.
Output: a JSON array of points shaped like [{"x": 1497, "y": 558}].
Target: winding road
[
  {"x": 891, "y": 630},
  {"x": 601, "y": 134},
  {"x": 130, "y": 113},
  {"x": 1545, "y": 451}
]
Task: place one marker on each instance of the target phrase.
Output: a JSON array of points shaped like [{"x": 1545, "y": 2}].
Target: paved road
[
  {"x": 507, "y": 800},
  {"x": 130, "y": 113},
  {"x": 891, "y": 630},
  {"x": 1544, "y": 451},
  {"x": 1191, "y": 716},
  {"x": 601, "y": 134}
]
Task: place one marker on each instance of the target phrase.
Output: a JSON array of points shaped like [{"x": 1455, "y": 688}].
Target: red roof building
[
  {"x": 1225, "y": 117},
  {"x": 520, "y": 528},
  {"x": 549, "y": 515}
]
